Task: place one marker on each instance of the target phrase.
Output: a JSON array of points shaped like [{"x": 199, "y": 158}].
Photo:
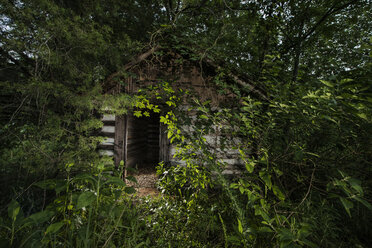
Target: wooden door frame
[{"x": 120, "y": 139}]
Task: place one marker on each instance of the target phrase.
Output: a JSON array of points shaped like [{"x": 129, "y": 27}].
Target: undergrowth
[{"x": 303, "y": 181}]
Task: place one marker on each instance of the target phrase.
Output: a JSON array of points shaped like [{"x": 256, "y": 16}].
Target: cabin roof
[{"x": 207, "y": 67}]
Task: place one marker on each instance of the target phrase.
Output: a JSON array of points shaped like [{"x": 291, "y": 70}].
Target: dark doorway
[{"x": 142, "y": 141}]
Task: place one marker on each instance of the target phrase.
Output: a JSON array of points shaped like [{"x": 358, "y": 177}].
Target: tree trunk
[
  {"x": 296, "y": 62},
  {"x": 298, "y": 51}
]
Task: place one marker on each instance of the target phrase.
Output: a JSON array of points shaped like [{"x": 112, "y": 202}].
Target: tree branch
[
  {"x": 254, "y": 89},
  {"x": 327, "y": 14},
  {"x": 132, "y": 63}
]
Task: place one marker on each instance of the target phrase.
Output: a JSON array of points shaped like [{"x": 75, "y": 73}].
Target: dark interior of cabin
[{"x": 143, "y": 141}]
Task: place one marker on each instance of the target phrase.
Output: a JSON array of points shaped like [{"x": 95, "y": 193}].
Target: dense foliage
[{"x": 306, "y": 146}]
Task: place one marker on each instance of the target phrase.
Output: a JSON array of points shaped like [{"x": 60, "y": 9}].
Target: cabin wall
[
  {"x": 229, "y": 156},
  {"x": 108, "y": 131}
]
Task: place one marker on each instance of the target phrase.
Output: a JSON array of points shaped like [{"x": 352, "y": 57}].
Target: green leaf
[
  {"x": 53, "y": 228},
  {"x": 347, "y": 205},
  {"x": 286, "y": 235},
  {"x": 41, "y": 217},
  {"x": 356, "y": 184},
  {"x": 250, "y": 166},
  {"x": 234, "y": 185},
  {"x": 143, "y": 243},
  {"x": 313, "y": 154},
  {"x": 46, "y": 184},
  {"x": 330, "y": 119},
  {"x": 346, "y": 80},
  {"x": 13, "y": 209},
  {"x": 363, "y": 116},
  {"x": 163, "y": 119},
  {"x": 364, "y": 202},
  {"x": 61, "y": 185},
  {"x": 263, "y": 214},
  {"x": 85, "y": 199},
  {"x": 304, "y": 231},
  {"x": 309, "y": 243},
  {"x": 206, "y": 102},
  {"x": 266, "y": 178},
  {"x": 170, "y": 103},
  {"x": 129, "y": 190},
  {"x": 137, "y": 113},
  {"x": 278, "y": 193},
  {"x": 240, "y": 226},
  {"x": 170, "y": 133},
  {"x": 131, "y": 178},
  {"x": 327, "y": 83},
  {"x": 265, "y": 229},
  {"x": 85, "y": 178},
  {"x": 286, "y": 243},
  {"x": 241, "y": 189},
  {"x": 116, "y": 181}
]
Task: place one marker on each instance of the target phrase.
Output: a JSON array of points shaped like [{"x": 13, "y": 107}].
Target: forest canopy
[{"x": 306, "y": 147}]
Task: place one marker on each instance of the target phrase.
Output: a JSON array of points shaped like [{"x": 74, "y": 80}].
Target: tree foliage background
[{"x": 307, "y": 182}]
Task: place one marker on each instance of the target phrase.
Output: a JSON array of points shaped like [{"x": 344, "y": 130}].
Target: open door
[{"x": 142, "y": 141}]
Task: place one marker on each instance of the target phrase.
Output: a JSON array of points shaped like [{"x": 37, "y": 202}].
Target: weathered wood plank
[{"x": 119, "y": 139}]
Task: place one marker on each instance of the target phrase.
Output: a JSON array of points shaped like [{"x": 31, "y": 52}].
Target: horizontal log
[
  {"x": 106, "y": 152},
  {"x": 108, "y": 129},
  {"x": 108, "y": 141},
  {"x": 108, "y": 123},
  {"x": 109, "y": 135},
  {"x": 106, "y": 147},
  {"x": 108, "y": 118}
]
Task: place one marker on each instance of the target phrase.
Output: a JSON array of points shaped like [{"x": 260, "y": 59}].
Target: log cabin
[{"x": 143, "y": 141}]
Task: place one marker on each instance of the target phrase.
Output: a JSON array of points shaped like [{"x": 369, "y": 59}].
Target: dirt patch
[
  {"x": 143, "y": 192},
  {"x": 146, "y": 182}
]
